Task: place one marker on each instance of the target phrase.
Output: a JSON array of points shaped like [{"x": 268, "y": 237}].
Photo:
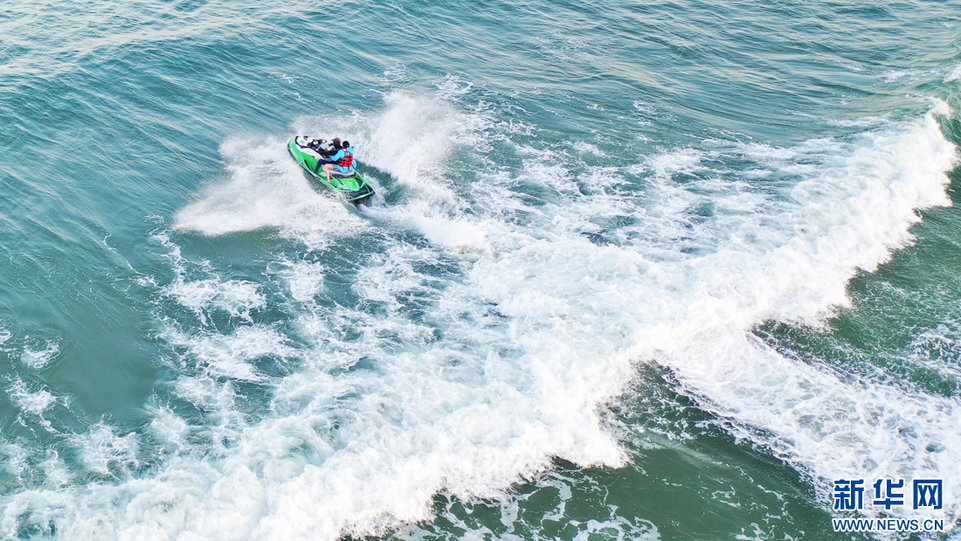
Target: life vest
[{"x": 347, "y": 161}]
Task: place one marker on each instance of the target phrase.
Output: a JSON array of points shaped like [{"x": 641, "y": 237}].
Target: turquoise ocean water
[{"x": 636, "y": 270}]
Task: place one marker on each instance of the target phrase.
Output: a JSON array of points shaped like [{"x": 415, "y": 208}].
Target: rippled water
[{"x": 635, "y": 271}]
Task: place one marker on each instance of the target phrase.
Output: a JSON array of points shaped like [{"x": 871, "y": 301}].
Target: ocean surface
[{"x": 634, "y": 271}]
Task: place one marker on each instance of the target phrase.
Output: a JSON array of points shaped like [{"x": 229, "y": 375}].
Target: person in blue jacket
[{"x": 343, "y": 160}]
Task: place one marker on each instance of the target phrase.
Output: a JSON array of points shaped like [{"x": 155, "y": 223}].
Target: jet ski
[{"x": 312, "y": 153}]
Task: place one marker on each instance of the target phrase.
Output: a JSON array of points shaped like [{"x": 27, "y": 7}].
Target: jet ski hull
[{"x": 354, "y": 187}]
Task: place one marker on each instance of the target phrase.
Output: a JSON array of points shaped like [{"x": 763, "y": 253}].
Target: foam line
[{"x": 435, "y": 372}]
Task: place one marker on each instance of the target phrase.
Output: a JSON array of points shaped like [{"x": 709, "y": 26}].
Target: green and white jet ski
[{"x": 311, "y": 154}]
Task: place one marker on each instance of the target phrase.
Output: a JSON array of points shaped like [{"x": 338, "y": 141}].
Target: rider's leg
[{"x": 327, "y": 168}]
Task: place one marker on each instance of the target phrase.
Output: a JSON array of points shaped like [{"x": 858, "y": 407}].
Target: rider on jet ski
[
  {"x": 324, "y": 148},
  {"x": 343, "y": 160}
]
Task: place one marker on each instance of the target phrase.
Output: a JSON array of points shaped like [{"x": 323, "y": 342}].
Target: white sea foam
[
  {"x": 466, "y": 374},
  {"x": 39, "y": 358},
  {"x": 236, "y": 297},
  {"x": 453, "y": 88},
  {"x": 854, "y": 208},
  {"x": 833, "y": 426},
  {"x": 171, "y": 430},
  {"x": 304, "y": 280},
  {"x": 518, "y": 524},
  {"x": 203, "y": 296},
  {"x": 34, "y": 402},
  {"x": 15, "y": 459},
  {"x": 265, "y": 188},
  {"x": 105, "y": 452},
  {"x": 439, "y": 227},
  {"x": 588, "y": 148},
  {"x": 55, "y": 473},
  {"x": 411, "y": 139},
  {"x": 938, "y": 349},
  {"x": 954, "y": 74},
  {"x": 396, "y": 72},
  {"x": 230, "y": 355}
]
